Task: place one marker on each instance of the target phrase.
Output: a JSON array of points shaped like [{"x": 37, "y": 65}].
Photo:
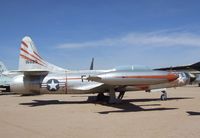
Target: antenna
[{"x": 92, "y": 64}]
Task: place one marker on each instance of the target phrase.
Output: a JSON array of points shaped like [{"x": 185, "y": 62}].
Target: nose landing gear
[{"x": 163, "y": 97}]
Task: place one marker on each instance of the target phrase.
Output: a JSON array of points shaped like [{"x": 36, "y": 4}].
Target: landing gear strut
[
  {"x": 163, "y": 97},
  {"x": 121, "y": 95},
  {"x": 111, "y": 98}
]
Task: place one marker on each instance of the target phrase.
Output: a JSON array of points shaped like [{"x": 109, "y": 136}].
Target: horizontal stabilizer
[{"x": 35, "y": 73}]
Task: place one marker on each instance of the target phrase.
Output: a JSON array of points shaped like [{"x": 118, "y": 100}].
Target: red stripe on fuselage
[
  {"x": 169, "y": 77},
  {"x": 70, "y": 79},
  {"x": 73, "y": 78}
]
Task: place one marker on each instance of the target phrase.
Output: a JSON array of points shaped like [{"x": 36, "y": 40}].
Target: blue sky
[{"x": 69, "y": 33}]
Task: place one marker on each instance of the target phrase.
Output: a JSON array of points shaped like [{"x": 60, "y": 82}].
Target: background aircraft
[
  {"x": 193, "y": 70},
  {"x": 4, "y": 79},
  {"x": 35, "y": 75}
]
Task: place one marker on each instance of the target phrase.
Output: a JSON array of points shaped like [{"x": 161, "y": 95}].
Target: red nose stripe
[{"x": 172, "y": 77}]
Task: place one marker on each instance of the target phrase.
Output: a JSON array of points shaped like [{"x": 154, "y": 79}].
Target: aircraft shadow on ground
[
  {"x": 35, "y": 103},
  {"x": 129, "y": 107},
  {"x": 192, "y": 113},
  {"x": 157, "y": 99},
  {"x": 6, "y": 93},
  {"x": 125, "y": 106}
]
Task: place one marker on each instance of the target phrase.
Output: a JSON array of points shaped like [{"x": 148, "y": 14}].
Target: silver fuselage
[{"x": 92, "y": 81}]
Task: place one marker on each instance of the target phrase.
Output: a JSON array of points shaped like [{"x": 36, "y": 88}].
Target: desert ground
[{"x": 140, "y": 114}]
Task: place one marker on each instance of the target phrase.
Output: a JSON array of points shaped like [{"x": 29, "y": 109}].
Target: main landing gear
[
  {"x": 163, "y": 97},
  {"x": 111, "y": 98},
  {"x": 121, "y": 95},
  {"x": 102, "y": 97}
]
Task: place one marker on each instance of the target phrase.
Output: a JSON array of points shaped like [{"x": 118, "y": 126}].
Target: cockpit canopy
[{"x": 132, "y": 68}]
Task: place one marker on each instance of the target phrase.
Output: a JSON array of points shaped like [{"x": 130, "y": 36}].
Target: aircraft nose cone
[{"x": 172, "y": 77}]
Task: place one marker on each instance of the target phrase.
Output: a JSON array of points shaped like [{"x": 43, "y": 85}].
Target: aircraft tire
[{"x": 163, "y": 97}]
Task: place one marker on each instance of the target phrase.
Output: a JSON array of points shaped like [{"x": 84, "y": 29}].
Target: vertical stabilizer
[{"x": 30, "y": 59}]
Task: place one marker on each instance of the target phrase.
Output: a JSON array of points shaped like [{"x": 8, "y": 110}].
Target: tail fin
[
  {"x": 30, "y": 59},
  {"x": 2, "y": 67}
]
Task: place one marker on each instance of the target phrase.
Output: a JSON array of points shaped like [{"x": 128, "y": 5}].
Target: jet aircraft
[
  {"x": 6, "y": 77},
  {"x": 4, "y": 80},
  {"x": 35, "y": 75},
  {"x": 192, "y": 69}
]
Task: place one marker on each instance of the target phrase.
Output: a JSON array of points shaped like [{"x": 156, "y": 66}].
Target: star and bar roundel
[{"x": 53, "y": 85}]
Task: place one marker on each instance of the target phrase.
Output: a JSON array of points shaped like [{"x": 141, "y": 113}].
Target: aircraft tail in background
[{"x": 2, "y": 67}]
